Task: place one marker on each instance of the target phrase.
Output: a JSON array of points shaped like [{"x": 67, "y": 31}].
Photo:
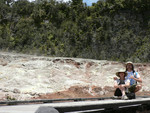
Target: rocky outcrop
[{"x": 26, "y": 76}]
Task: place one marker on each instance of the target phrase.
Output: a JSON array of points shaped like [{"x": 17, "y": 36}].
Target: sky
[{"x": 88, "y": 2}]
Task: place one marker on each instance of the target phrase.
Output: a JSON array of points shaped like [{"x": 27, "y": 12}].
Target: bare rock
[
  {"x": 16, "y": 91},
  {"x": 2, "y": 95},
  {"x": 101, "y": 93},
  {"x": 109, "y": 88},
  {"x": 5, "y": 90},
  {"x": 3, "y": 62},
  {"x": 10, "y": 97},
  {"x": 28, "y": 76},
  {"x": 96, "y": 89}
]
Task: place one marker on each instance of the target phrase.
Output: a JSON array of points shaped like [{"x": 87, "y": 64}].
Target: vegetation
[{"x": 111, "y": 30}]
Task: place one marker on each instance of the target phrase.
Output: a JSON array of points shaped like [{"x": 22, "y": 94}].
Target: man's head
[{"x": 129, "y": 66}]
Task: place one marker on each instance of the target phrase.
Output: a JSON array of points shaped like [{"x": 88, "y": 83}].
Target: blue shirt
[{"x": 135, "y": 75}]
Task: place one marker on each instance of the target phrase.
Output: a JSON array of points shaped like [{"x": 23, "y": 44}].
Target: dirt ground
[{"x": 76, "y": 92}]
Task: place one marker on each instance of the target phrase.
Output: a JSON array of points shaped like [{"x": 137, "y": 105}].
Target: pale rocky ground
[{"x": 24, "y": 77}]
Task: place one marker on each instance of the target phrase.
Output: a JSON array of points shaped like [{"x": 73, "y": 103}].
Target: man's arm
[{"x": 137, "y": 79}]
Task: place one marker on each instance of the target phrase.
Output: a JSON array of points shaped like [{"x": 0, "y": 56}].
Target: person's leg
[
  {"x": 117, "y": 92},
  {"x": 122, "y": 90},
  {"x": 138, "y": 87},
  {"x": 132, "y": 89},
  {"x": 123, "y": 93}
]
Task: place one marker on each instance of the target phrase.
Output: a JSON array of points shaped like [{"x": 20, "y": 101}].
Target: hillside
[
  {"x": 114, "y": 30},
  {"x": 26, "y": 77}
]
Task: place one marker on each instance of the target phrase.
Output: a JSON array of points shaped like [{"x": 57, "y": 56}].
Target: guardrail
[
  {"x": 112, "y": 106},
  {"x": 14, "y": 102},
  {"x": 82, "y": 105}
]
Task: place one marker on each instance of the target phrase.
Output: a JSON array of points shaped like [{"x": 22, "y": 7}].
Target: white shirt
[{"x": 126, "y": 81}]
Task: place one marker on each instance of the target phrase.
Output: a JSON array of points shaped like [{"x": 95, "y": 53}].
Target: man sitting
[{"x": 134, "y": 78}]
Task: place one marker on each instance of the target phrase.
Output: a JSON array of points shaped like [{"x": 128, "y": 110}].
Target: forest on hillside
[{"x": 108, "y": 30}]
